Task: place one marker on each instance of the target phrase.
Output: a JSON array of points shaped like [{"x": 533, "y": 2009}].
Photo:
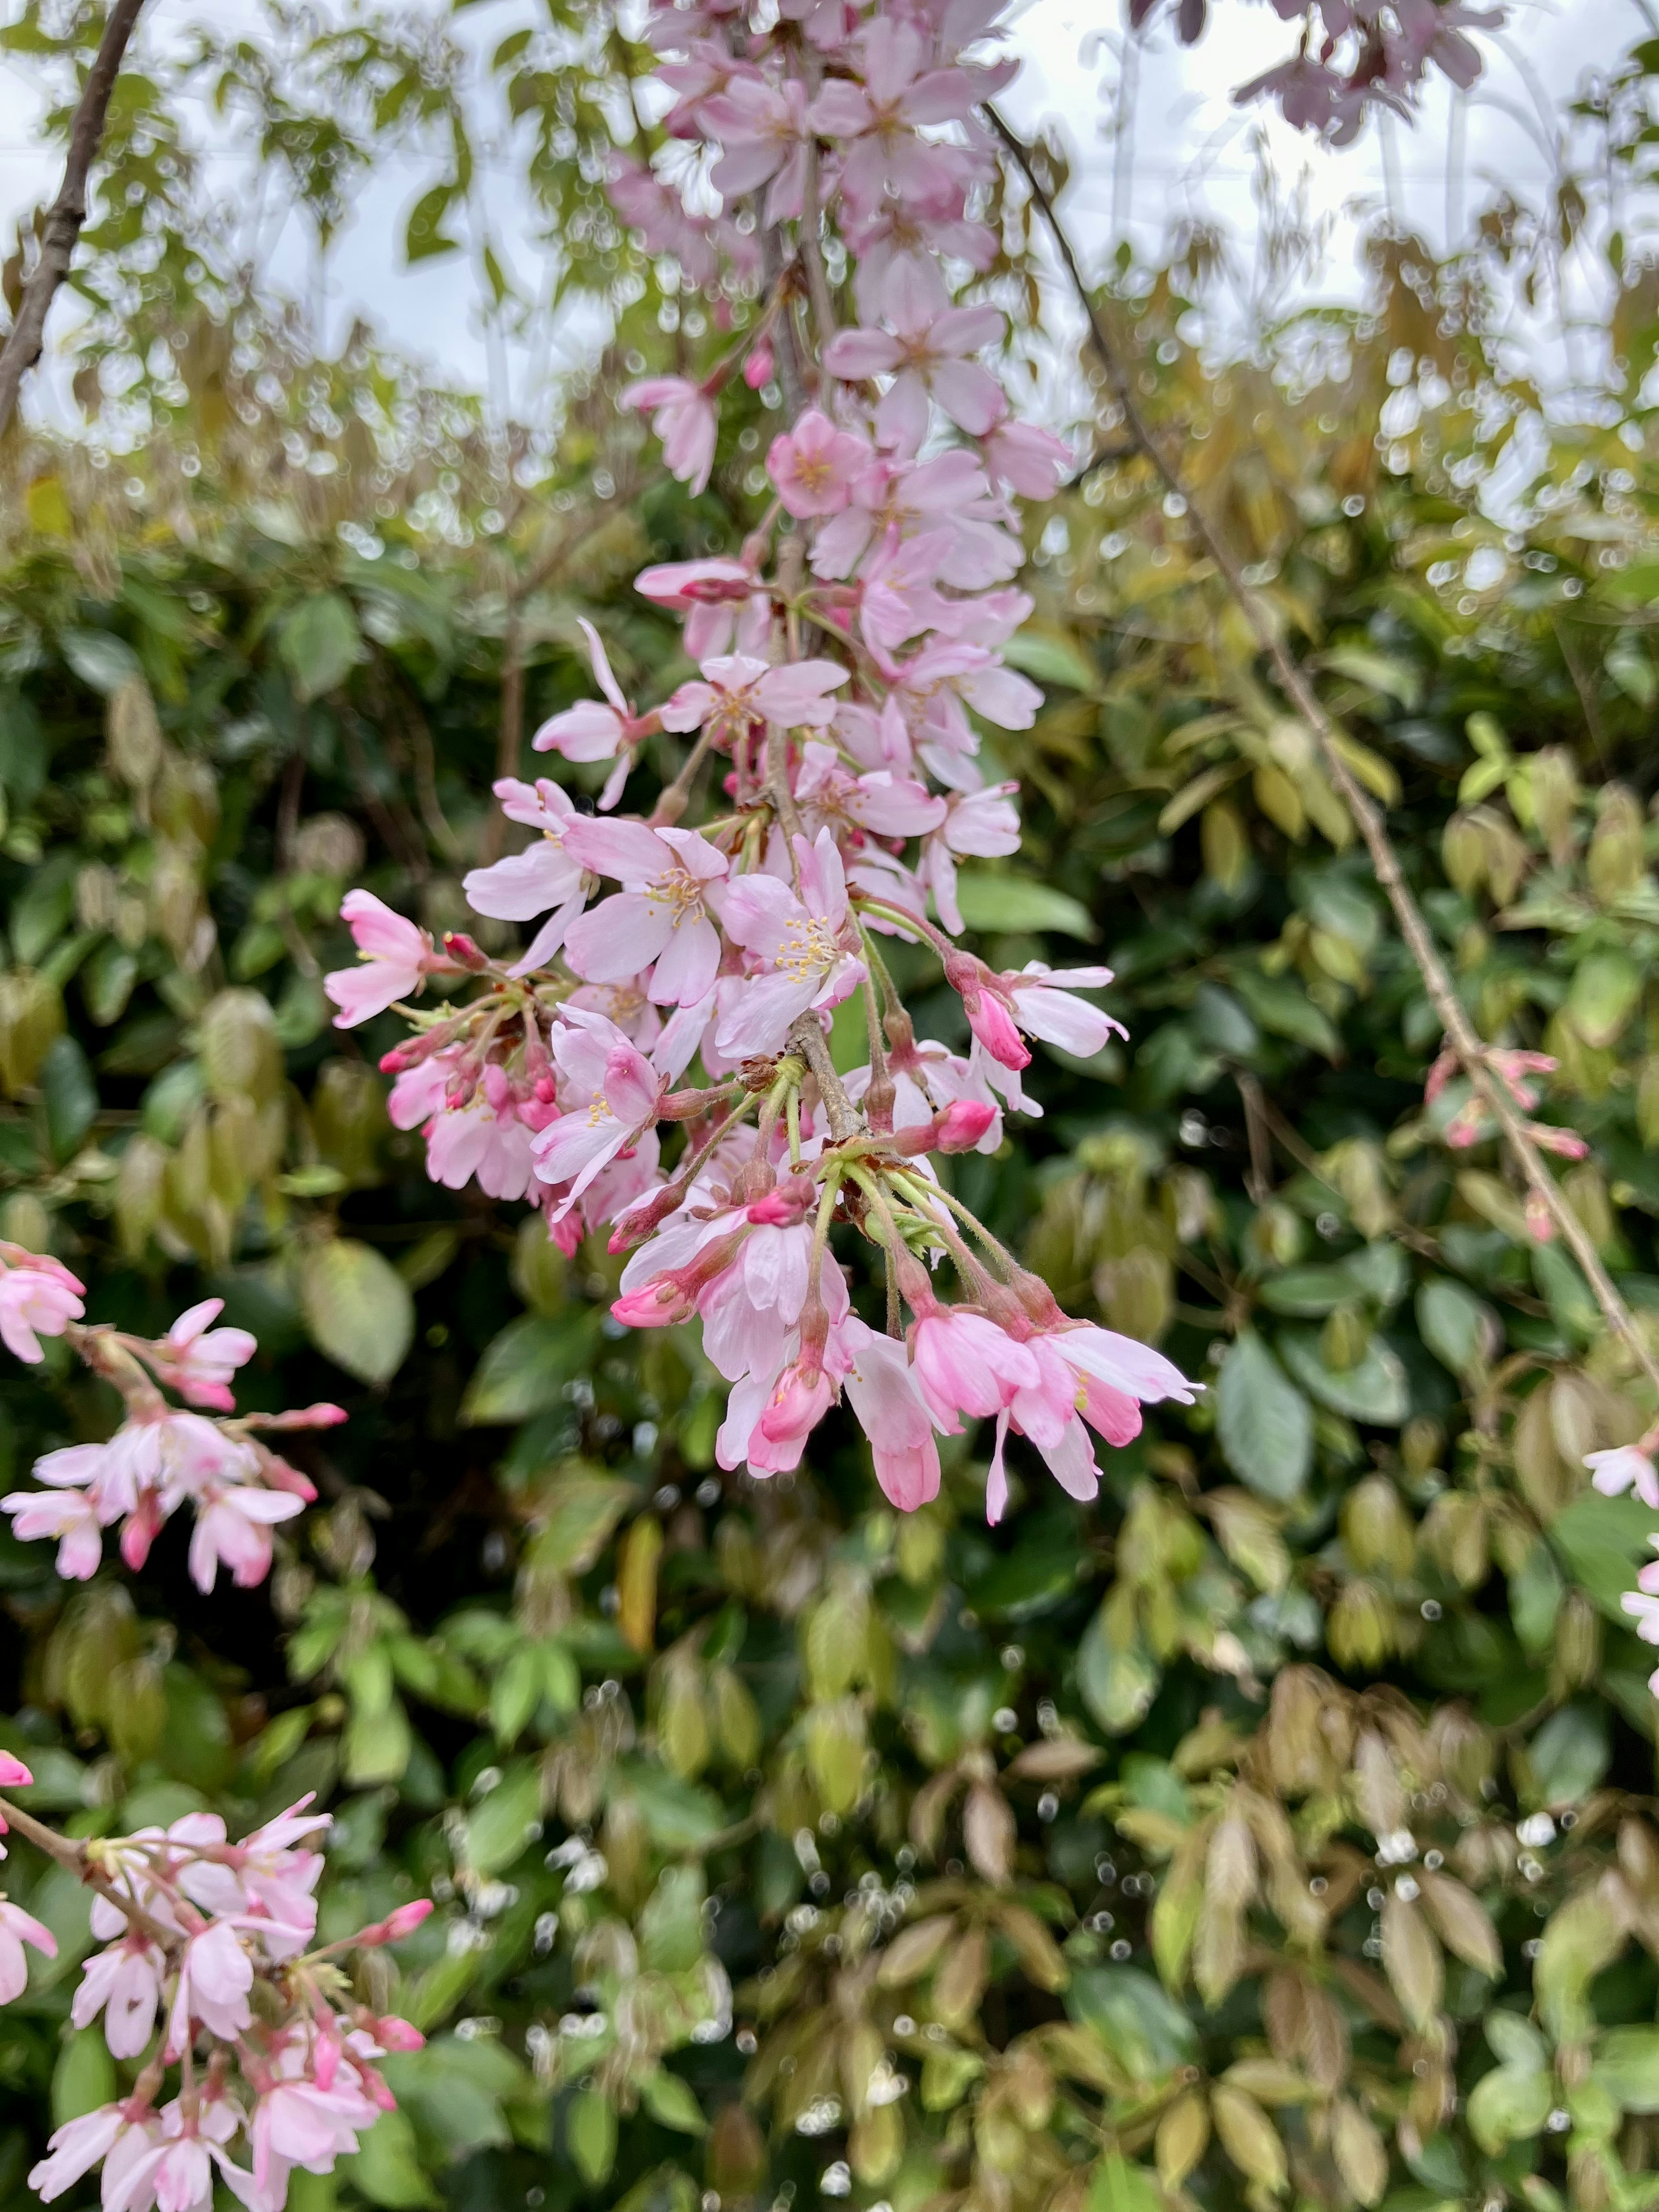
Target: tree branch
[
  {"x": 68, "y": 213},
  {"x": 1461, "y": 1033}
]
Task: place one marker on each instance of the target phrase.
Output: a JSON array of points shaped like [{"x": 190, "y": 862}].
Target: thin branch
[
  {"x": 1461, "y": 1033},
  {"x": 68, "y": 213}
]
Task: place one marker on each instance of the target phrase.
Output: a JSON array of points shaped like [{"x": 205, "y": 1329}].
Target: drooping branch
[
  {"x": 68, "y": 213},
  {"x": 1461, "y": 1033}
]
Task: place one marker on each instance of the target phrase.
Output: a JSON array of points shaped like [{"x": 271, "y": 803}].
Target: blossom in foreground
[
  {"x": 39, "y": 1297},
  {"x": 683, "y": 416},
  {"x": 659, "y": 920},
  {"x": 396, "y": 956},
  {"x": 799, "y": 943},
  {"x": 1627, "y": 1467}
]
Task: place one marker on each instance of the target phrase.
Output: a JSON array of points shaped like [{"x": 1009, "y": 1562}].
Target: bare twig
[
  {"x": 1461, "y": 1033},
  {"x": 68, "y": 213}
]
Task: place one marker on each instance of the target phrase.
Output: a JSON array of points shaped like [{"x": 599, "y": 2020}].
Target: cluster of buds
[
  {"x": 1470, "y": 1122},
  {"x": 163, "y": 1456}
]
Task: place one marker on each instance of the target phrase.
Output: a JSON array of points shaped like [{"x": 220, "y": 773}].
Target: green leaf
[
  {"x": 320, "y": 644},
  {"x": 357, "y": 1308},
  {"x": 84, "y": 2076},
  {"x": 1140, "y": 2023},
  {"x": 1602, "y": 1542},
  {"x": 1626, "y": 2066},
  {"x": 41, "y": 912},
  {"x": 1051, "y": 657},
  {"x": 1570, "y": 1753},
  {"x": 1008, "y": 903},
  {"x": 1602, "y": 995},
  {"x": 100, "y": 658},
  {"x": 424, "y": 237},
  {"x": 25, "y": 750},
  {"x": 1455, "y": 1324},
  {"x": 1263, "y": 1422},
  {"x": 1374, "y": 1389},
  {"x": 1117, "y": 2187},
  {"x": 1507, "y": 2106},
  {"x": 376, "y": 1745},
  {"x": 590, "y": 2128},
  {"x": 669, "y": 2100},
  {"x": 501, "y": 1826},
  {"x": 678, "y": 1816},
  {"x": 69, "y": 1093},
  {"x": 524, "y": 1369},
  {"x": 386, "y": 2166},
  {"x": 1283, "y": 1007},
  {"x": 1118, "y": 1682}
]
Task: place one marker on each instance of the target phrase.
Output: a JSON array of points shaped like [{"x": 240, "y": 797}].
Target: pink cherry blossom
[
  {"x": 660, "y": 920},
  {"x": 397, "y": 956},
  {"x": 965, "y": 1364},
  {"x": 981, "y": 825},
  {"x": 592, "y": 731},
  {"x": 805, "y": 948},
  {"x": 888, "y": 804},
  {"x": 926, "y": 353},
  {"x": 215, "y": 1976},
  {"x": 232, "y": 1527},
  {"x": 545, "y": 875},
  {"x": 736, "y": 692},
  {"x": 1625, "y": 1468},
  {"x": 39, "y": 1297},
  {"x": 66, "y": 1515},
  {"x": 883, "y": 1391},
  {"x": 612, "y": 1094},
  {"x": 814, "y": 466},
  {"x": 16, "y": 1929},
  {"x": 76, "y": 2147},
  {"x": 720, "y": 600},
  {"x": 198, "y": 1361},
  {"x": 1026, "y": 459},
  {"x": 124, "y": 1984},
  {"x": 682, "y": 417},
  {"x": 763, "y": 129}
]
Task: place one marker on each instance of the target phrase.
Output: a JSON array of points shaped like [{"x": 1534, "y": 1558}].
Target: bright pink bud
[
  {"x": 140, "y": 1530},
  {"x": 993, "y": 1026},
  {"x": 394, "y": 1062},
  {"x": 962, "y": 1124},
  {"x": 407, "y": 1918},
  {"x": 656, "y": 1304},
  {"x": 460, "y": 946},
  {"x": 394, "y": 2034},
  {"x": 14, "y": 1775},
  {"x": 1567, "y": 1143},
  {"x": 759, "y": 367}
]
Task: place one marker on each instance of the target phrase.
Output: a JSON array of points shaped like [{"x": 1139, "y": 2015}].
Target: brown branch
[
  {"x": 68, "y": 213},
  {"x": 1459, "y": 1031}
]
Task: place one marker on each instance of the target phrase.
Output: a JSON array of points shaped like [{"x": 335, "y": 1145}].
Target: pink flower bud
[
  {"x": 656, "y": 1304},
  {"x": 760, "y": 366},
  {"x": 14, "y": 1775},
  {"x": 460, "y": 946},
  {"x": 406, "y": 1919},
  {"x": 962, "y": 1124},
  {"x": 394, "y": 2034}
]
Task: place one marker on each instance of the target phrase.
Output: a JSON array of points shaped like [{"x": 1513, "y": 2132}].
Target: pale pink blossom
[
  {"x": 814, "y": 466},
  {"x": 39, "y": 1297},
  {"x": 682, "y": 417},
  {"x": 927, "y": 354},
  {"x": 67, "y": 1515},
  {"x": 611, "y": 1094},
  {"x": 198, "y": 1361},
  {"x": 232, "y": 1527},
  {"x": 1026, "y": 459},
  {"x": 1627, "y": 1467},
  {"x": 397, "y": 954},
  {"x": 76, "y": 2147},
  {"x": 965, "y": 1364},
  {"x": 719, "y": 602},
  {"x": 594, "y": 731},
  {"x": 545, "y": 875},
  {"x": 882, "y": 1390},
  {"x": 762, "y": 130},
  {"x": 16, "y": 1929},
  {"x": 124, "y": 1984},
  {"x": 805, "y": 948},
  {"x": 736, "y": 692},
  {"x": 981, "y": 825},
  {"x": 880, "y": 115},
  {"x": 215, "y": 1976},
  {"x": 660, "y": 918},
  {"x": 887, "y": 804}
]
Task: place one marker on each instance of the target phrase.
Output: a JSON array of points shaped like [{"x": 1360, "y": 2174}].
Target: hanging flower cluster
[
  {"x": 163, "y": 1456},
  {"x": 656, "y": 1064}
]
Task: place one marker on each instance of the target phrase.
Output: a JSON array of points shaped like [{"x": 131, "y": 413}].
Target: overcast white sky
[{"x": 1191, "y": 154}]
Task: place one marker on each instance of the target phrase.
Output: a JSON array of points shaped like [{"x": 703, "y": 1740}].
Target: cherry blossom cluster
[
  {"x": 162, "y": 1456},
  {"x": 656, "y": 1064},
  {"x": 210, "y": 1983},
  {"x": 1352, "y": 55}
]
